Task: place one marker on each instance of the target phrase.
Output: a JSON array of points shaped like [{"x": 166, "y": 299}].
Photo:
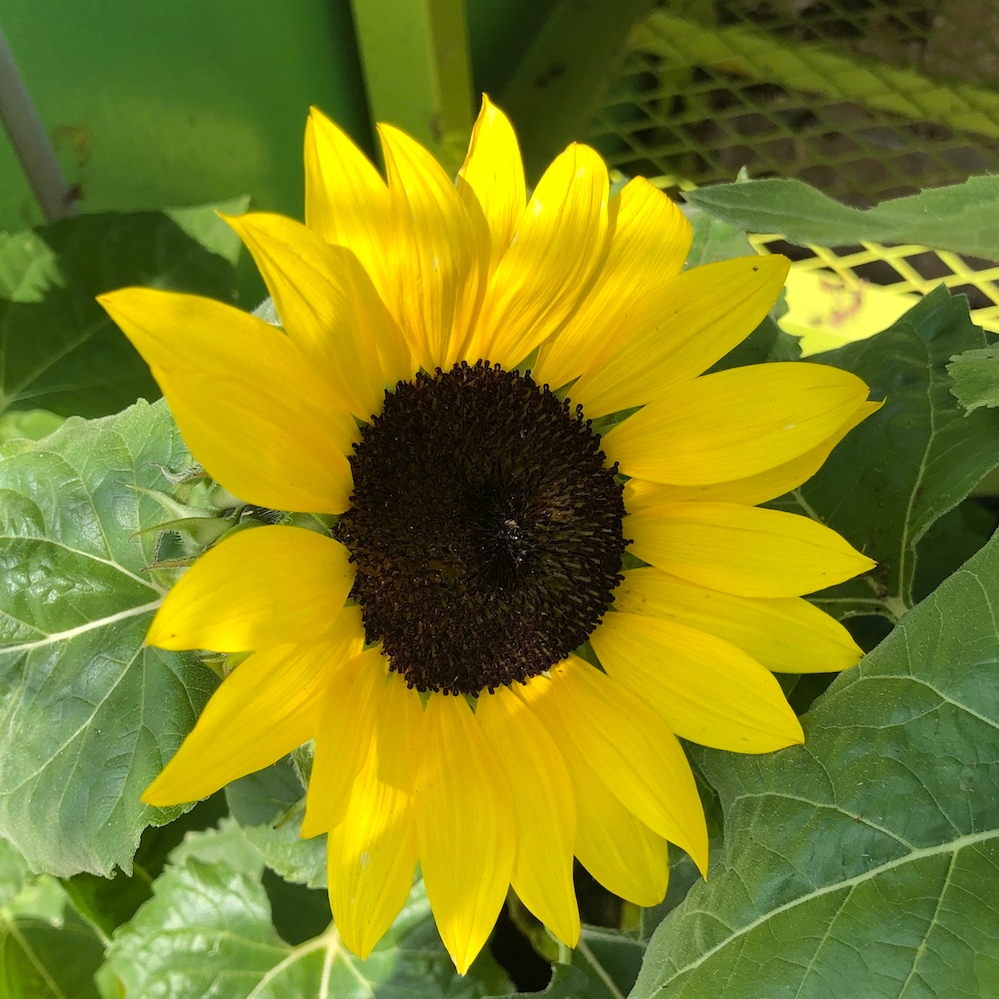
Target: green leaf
[
  {"x": 963, "y": 217},
  {"x": 14, "y": 872},
  {"x": 683, "y": 873},
  {"x": 611, "y": 961},
  {"x": 976, "y": 378},
  {"x": 714, "y": 239},
  {"x": 298, "y": 913},
  {"x": 951, "y": 541},
  {"x": 61, "y": 351},
  {"x": 270, "y": 805},
  {"x": 225, "y": 844},
  {"x": 46, "y": 950},
  {"x": 109, "y": 902},
  {"x": 908, "y": 464},
  {"x": 88, "y": 714},
  {"x": 567, "y": 983},
  {"x": 203, "y": 224},
  {"x": 863, "y": 863},
  {"x": 606, "y": 956},
  {"x": 208, "y": 932},
  {"x": 768, "y": 342},
  {"x": 28, "y": 267},
  {"x": 34, "y": 424}
]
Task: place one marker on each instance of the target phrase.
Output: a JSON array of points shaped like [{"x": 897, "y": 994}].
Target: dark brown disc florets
[{"x": 485, "y": 529}]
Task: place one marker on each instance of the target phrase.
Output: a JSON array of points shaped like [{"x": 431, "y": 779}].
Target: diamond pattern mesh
[
  {"x": 861, "y": 99},
  {"x": 864, "y": 99}
]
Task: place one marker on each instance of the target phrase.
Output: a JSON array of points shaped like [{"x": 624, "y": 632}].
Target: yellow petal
[
  {"x": 759, "y": 488},
  {"x": 545, "y": 810},
  {"x": 649, "y": 241},
  {"x": 706, "y": 689},
  {"x": 630, "y": 747},
  {"x": 347, "y": 714},
  {"x": 263, "y": 710},
  {"x": 260, "y": 587},
  {"x": 495, "y": 173},
  {"x": 621, "y": 852},
  {"x": 400, "y": 733},
  {"x": 466, "y": 827},
  {"x": 735, "y": 423},
  {"x": 559, "y": 242},
  {"x": 680, "y": 329},
  {"x": 328, "y": 305},
  {"x": 439, "y": 255},
  {"x": 372, "y": 853},
  {"x": 259, "y": 448},
  {"x": 177, "y": 332},
  {"x": 248, "y": 404},
  {"x": 743, "y": 550},
  {"x": 784, "y": 634},
  {"x": 346, "y": 200},
  {"x": 371, "y": 857}
]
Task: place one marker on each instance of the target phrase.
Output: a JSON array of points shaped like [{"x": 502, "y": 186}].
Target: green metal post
[{"x": 417, "y": 70}]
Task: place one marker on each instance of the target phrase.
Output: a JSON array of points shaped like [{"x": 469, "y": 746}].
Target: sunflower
[{"x": 545, "y": 561}]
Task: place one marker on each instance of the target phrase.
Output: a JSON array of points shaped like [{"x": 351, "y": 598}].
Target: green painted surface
[
  {"x": 561, "y": 76},
  {"x": 195, "y": 101},
  {"x": 498, "y": 35},
  {"x": 154, "y": 105},
  {"x": 417, "y": 71}
]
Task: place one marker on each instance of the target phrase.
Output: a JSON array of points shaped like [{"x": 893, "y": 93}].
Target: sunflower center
[{"x": 485, "y": 529}]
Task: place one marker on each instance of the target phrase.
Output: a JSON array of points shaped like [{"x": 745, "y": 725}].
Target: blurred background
[{"x": 168, "y": 105}]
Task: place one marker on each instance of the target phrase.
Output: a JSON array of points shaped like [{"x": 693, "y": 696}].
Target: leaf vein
[
  {"x": 953, "y": 846},
  {"x": 110, "y": 562},
  {"x": 934, "y": 919},
  {"x": 82, "y": 629},
  {"x": 830, "y": 806}
]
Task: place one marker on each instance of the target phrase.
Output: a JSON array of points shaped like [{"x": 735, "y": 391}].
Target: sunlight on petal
[{"x": 466, "y": 826}]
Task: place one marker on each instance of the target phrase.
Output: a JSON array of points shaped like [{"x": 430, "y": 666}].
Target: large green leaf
[
  {"x": 109, "y": 902},
  {"x": 88, "y": 714},
  {"x": 909, "y": 463},
  {"x": 963, "y": 217},
  {"x": 58, "y": 348},
  {"x": 208, "y": 933},
  {"x": 866, "y": 862}
]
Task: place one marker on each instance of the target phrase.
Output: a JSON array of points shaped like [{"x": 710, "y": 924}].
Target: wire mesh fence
[{"x": 864, "y": 99}]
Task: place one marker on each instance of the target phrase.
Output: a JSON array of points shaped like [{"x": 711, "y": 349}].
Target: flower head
[{"x": 444, "y": 350}]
